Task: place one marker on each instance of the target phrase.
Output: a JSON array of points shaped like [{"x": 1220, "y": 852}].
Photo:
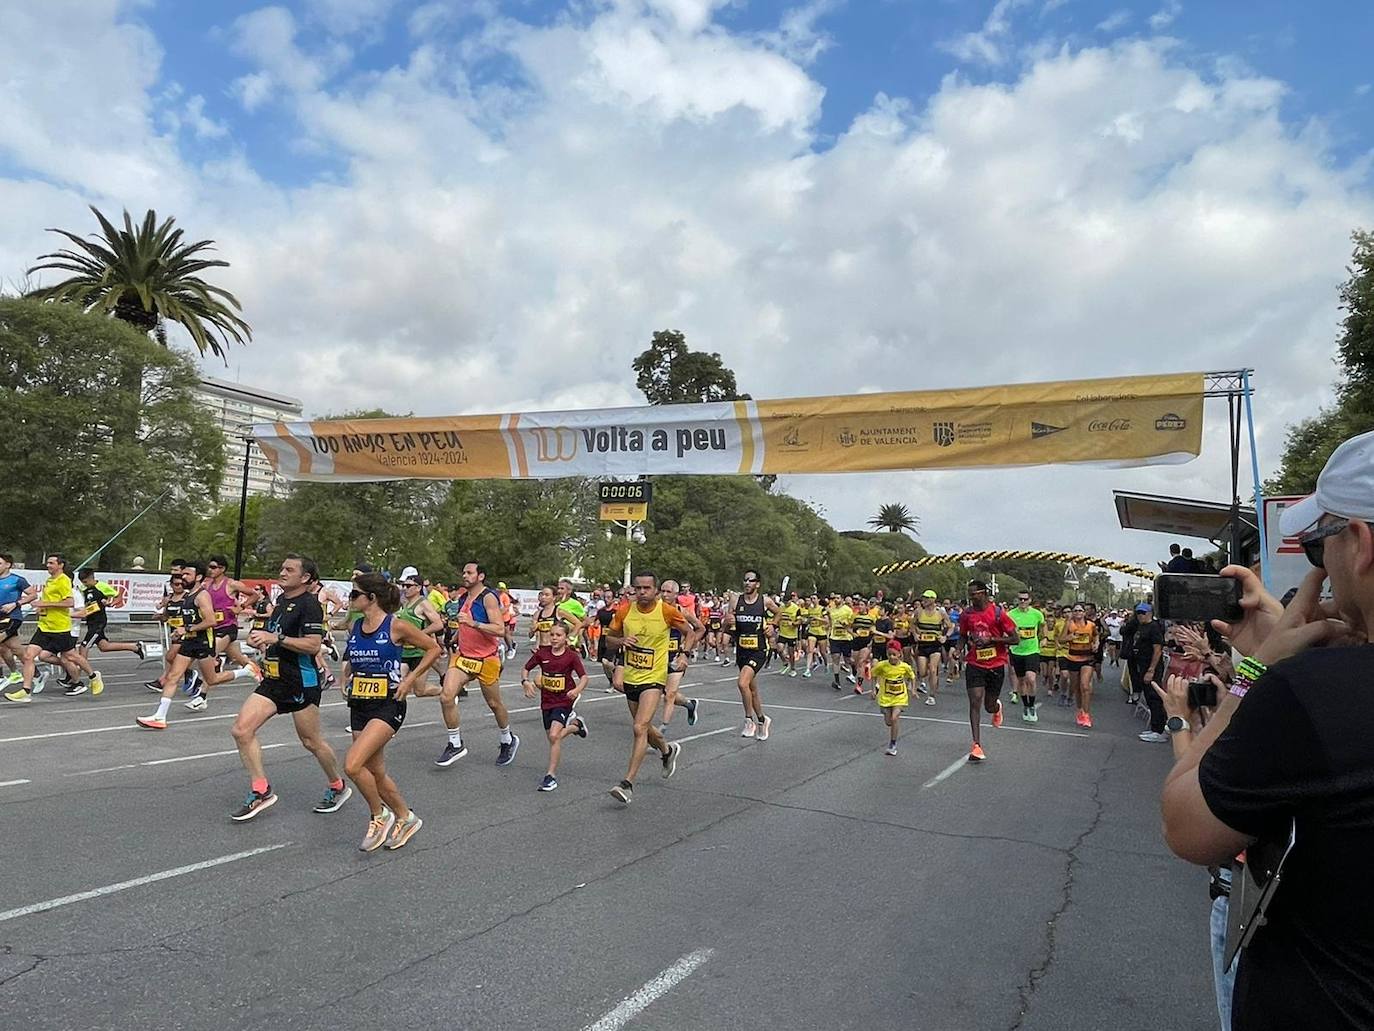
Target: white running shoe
[
  {"x": 750, "y": 729},
  {"x": 197, "y": 704}
]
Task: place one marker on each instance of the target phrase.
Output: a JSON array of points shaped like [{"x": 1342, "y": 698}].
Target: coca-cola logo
[{"x": 1109, "y": 426}]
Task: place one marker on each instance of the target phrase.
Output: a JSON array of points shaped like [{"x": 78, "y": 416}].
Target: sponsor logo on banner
[
  {"x": 554, "y": 444},
  {"x": 947, "y": 434},
  {"x": 846, "y": 438},
  {"x": 890, "y": 436},
  {"x": 563, "y": 444},
  {"x": 1044, "y": 429},
  {"x": 792, "y": 439},
  {"x": 943, "y": 432},
  {"x": 1171, "y": 422},
  {"x": 1109, "y": 426}
]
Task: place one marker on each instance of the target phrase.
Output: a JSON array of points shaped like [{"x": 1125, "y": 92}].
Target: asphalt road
[{"x": 804, "y": 882}]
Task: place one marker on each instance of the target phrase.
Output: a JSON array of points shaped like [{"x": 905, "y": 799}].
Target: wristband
[
  {"x": 1251, "y": 669},
  {"x": 1241, "y": 684}
]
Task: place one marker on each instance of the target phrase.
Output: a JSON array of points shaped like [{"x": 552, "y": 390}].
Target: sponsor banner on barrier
[{"x": 1133, "y": 420}]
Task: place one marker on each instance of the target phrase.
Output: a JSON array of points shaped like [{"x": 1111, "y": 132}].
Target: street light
[{"x": 634, "y": 534}]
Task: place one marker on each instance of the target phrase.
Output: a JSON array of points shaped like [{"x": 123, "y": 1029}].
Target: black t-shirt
[
  {"x": 1143, "y": 641},
  {"x": 1301, "y": 748},
  {"x": 301, "y": 616}
]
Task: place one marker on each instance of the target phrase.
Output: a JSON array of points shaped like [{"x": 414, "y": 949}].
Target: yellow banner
[{"x": 1136, "y": 420}]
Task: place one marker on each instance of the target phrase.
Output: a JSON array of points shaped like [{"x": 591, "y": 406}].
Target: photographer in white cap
[{"x": 1290, "y": 751}]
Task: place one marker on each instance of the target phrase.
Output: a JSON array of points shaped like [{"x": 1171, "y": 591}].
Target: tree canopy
[{"x": 669, "y": 374}]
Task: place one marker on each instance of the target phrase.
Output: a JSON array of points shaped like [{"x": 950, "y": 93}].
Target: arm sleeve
[{"x": 1266, "y": 763}]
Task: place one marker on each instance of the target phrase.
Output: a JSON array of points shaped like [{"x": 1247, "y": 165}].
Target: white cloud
[
  {"x": 1166, "y": 15},
  {"x": 989, "y": 44},
  {"x": 1118, "y": 19},
  {"x": 345, "y": 17},
  {"x": 1109, "y": 211}
]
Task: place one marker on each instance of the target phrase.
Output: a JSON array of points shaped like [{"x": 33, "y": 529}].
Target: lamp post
[{"x": 634, "y": 534}]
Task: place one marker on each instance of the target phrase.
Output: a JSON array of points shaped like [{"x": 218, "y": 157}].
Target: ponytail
[{"x": 387, "y": 594}]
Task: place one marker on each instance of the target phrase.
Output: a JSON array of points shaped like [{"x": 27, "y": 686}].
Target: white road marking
[
  {"x": 110, "y": 889},
  {"x": 917, "y": 719},
  {"x": 947, "y": 772},
  {"x": 164, "y": 762},
  {"x": 709, "y": 733},
  {"x": 12, "y": 783},
  {"x": 651, "y": 991}
]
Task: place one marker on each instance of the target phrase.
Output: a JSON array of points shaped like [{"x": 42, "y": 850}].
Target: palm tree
[
  {"x": 895, "y": 518},
  {"x": 146, "y": 276}
]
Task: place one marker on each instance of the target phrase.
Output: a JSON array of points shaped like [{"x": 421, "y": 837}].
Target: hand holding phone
[{"x": 1197, "y": 597}]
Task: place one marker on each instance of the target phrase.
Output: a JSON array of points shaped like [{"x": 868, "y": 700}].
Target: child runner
[
  {"x": 562, "y": 679},
  {"x": 892, "y": 681}
]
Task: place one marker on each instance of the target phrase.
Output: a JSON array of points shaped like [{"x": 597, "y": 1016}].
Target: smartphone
[
  {"x": 1197, "y": 597},
  {"x": 1202, "y": 694}
]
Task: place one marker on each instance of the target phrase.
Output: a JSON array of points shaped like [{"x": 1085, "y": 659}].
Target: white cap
[
  {"x": 1345, "y": 488},
  {"x": 410, "y": 572}
]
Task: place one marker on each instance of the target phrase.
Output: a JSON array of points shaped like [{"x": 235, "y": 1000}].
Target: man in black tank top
[{"x": 746, "y": 624}]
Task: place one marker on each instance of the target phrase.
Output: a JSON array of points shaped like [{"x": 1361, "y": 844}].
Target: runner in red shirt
[
  {"x": 987, "y": 631},
  {"x": 562, "y": 679}
]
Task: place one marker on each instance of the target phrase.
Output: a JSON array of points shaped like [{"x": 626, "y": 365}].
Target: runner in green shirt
[{"x": 1025, "y": 654}]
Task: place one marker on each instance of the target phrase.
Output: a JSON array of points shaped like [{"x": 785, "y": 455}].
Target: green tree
[
  {"x": 1310, "y": 442},
  {"x": 146, "y": 276},
  {"x": 895, "y": 518},
  {"x": 70, "y": 481},
  {"x": 669, "y": 374},
  {"x": 1096, "y": 586}
]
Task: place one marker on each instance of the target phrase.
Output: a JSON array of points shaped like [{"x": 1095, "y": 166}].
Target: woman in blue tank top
[{"x": 376, "y": 684}]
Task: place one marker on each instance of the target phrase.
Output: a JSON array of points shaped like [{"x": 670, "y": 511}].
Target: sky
[{"x": 491, "y": 205}]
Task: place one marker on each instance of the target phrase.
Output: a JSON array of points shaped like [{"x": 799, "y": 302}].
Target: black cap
[
  {"x": 977, "y": 585},
  {"x": 363, "y": 567}
]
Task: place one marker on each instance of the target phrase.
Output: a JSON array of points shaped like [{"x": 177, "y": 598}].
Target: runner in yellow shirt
[
  {"x": 893, "y": 680},
  {"x": 788, "y": 621},
  {"x": 53, "y": 642},
  {"x": 841, "y": 639}
]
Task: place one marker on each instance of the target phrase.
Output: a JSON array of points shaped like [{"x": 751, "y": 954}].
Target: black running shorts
[
  {"x": 56, "y": 643},
  {"x": 286, "y": 698},
  {"x": 226, "y": 633},
  {"x": 990, "y": 680},
  {"x": 558, "y": 715},
  {"x": 388, "y": 710},
  {"x": 95, "y": 633},
  {"x": 841, "y": 648},
  {"x": 197, "y": 649},
  {"x": 1023, "y": 664},
  {"x": 10, "y": 628},
  {"x": 929, "y": 648},
  {"x": 633, "y": 691},
  {"x": 754, "y": 658}
]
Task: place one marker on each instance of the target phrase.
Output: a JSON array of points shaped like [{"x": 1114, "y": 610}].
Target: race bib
[
  {"x": 175, "y": 622},
  {"x": 749, "y": 642},
  {"x": 453, "y": 624},
  {"x": 556, "y": 683},
  {"x": 672, "y": 645},
  {"x": 259, "y": 624},
  {"x": 544, "y": 626},
  {"x": 639, "y": 658},
  {"x": 219, "y": 616},
  {"x": 985, "y": 654},
  {"x": 369, "y": 687},
  {"x": 1026, "y": 632},
  {"x": 91, "y": 609},
  {"x": 927, "y": 636},
  {"x": 894, "y": 687},
  {"x": 271, "y": 668},
  {"x": 473, "y": 666}
]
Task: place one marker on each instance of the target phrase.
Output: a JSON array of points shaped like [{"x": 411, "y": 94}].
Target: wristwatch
[{"x": 1176, "y": 724}]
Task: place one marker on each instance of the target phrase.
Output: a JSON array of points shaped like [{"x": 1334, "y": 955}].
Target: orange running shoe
[
  {"x": 1087, "y": 721},
  {"x": 975, "y": 754},
  {"x": 997, "y": 716}
]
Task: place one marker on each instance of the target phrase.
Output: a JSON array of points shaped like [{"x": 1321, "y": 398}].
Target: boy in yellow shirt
[{"x": 893, "y": 680}]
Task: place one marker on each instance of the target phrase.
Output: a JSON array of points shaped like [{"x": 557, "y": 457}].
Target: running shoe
[
  {"x": 997, "y": 716},
  {"x": 549, "y": 783},
  {"x": 807, "y": 674},
  {"x": 581, "y": 730},
  {"x": 97, "y": 685},
  {"x": 1087, "y": 721},
  {"x": 138, "y": 650},
  {"x": 670, "y": 760},
  {"x": 451, "y": 754},
  {"x": 835, "y": 683},
  {"x": 1015, "y": 698},
  {"x": 1032, "y": 715},
  {"x": 693, "y": 714},
  {"x": 255, "y": 803},
  {"x": 976, "y": 754},
  {"x": 850, "y": 678},
  {"x": 333, "y": 800},
  {"x": 19, "y": 697},
  {"x": 12, "y": 679},
  {"x": 77, "y": 688},
  {"x": 930, "y": 699},
  {"x": 623, "y": 792},
  {"x": 403, "y": 830},
  {"x": 750, "y": 729},
  {"x": 890, "y": 749},
  {"x": 65, "y": 680},
  {"x": 792, "y": 672},
  {"x": 765, "y": 727},
  {"x": 255, "y": 670},
  {"x": 39, "y": 682},
  {"x": 858, "y": 688},
  {"x": 1152, "y": 737},
  {"x": 152, "y": 722},
  {"x": 1078, "y": 717},
  {"x": 378, "y": 828},
  {"x": 199, "y": 703},
  {"x": 922, "y": 689},
  {"x": 785, "y": 671},
  {"x": 505, "y": 755}
]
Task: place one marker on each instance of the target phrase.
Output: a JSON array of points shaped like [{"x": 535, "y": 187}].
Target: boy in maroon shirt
[{"x": 562, "y": 678}]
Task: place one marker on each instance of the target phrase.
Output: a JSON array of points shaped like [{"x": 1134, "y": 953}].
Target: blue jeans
[{"x": 1225, "y": 979}]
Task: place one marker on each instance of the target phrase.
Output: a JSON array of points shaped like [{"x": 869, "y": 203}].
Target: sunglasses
[
  {"x": 355, "y": 595},
  {"x": 1314, "y": 543},
  {"x": 751, "y": 580}
]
